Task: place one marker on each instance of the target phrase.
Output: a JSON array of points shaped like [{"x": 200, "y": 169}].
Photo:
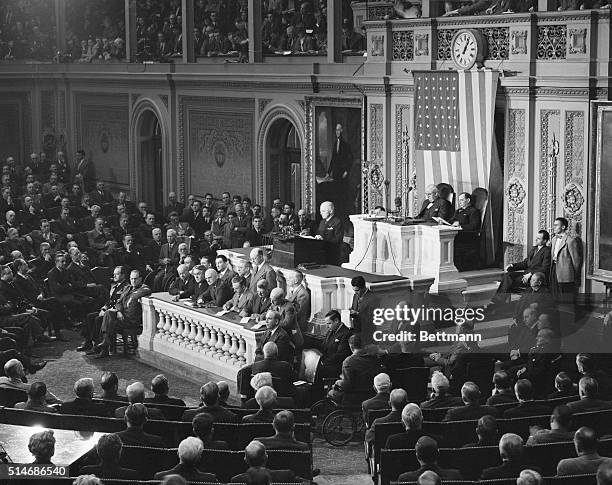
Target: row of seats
[
  {"x": 471, "y": 461},
  {"x": 224, "y": 464},
  {"x": 237, "y": 435},
  {"x": 107, "y": 481},
  {"x": 459, "y": 433},
  {"x": 567, "y": 480},
  {"x": 437, "y": 414}
]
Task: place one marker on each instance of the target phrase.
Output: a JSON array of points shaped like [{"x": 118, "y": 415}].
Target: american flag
[{"x": 454, "y": 127}]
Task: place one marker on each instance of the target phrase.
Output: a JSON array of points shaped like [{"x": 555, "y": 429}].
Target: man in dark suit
[
  {"x": 536, "y": 293},
  {"x": 520, "y": 274},
  {"x": 200, "y": 284},
  {"x": 183, "y": 286},
  {"x": 217, "y": 293},
  {"x": 279, "y": 369},
  {"x": 168, "y": 262},
  {"x": 511, "y": 452},
  {"x": 85, "y": 169},
  {"x": 358, "y": 371},
  {"x": 397, "y": 400},
  {"x": 339, "y": 170},
  {"x": 190, "y": 453},
  {"x": 126, "y": 314},
  {"x": 100, "y": 195},
  {"x": 304, "y": 225},
  {"x": 82, "y": 278},
  {"x": 362, "y": 309},
  {"x": 470, "y": 394},
  {"x": 382, "y": 385},
  {"x": 265, "y": 397},
  {"x": 173, "y": 205},
  {"x": 588, "y": 460},
  {"x": 101, "y": 241},
  {"x": 435, "y": 206},
  {"x": 160, "y": 388},
  {"x": 83, "y": 404},
  {"x": 527, "y": 406},
  {"x": 566, "y": 261},
  {"x": 44, "y": 234},
  {"x": 65, "y": 226},
  {"x": 260, "y": 304},
  {"x": 136, "y": 416},
  {"x": 503, "y": 390},
  {"x": 412, "y": 419},
  {"x": 288, "y": 318},
  {"x": 261, "y": 270},
  {"x": 254, "y": 235},
  {"x": 467, "y": 242},
  {"x": 331, "y": 230},
  {"x": 195, "y": 218},
  {"x": 91, "y": 330},
  {"x": 108, "y": 450},
  {"x": 275, "y": 333},
  {"x": 440, "y": 397},
  {"x": 300, "y": 297},
  {"x": 426, "y": 450},
  {"x": 283, "y": 438},
  {"x": 560, "y": 424},
  {"x": 256, "y": 458},
  {"x": 203, "y": 428},
  {"x": 61, "y": 287},
  {"x": 209, "y": 394},
  {"x": 588, "y": 389}
]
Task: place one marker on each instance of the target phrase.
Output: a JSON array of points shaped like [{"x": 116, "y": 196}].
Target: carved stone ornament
[
  {"x": 577, "y": 41},
  {"x": 421, "y": 44},
  {"x": 376, "y": 177},
  {"x": 518, "y": 42},
  {"x": 378, "y": 45},
  {"x": 516, "y": 194},
  {"x": 573, "y": 199}
]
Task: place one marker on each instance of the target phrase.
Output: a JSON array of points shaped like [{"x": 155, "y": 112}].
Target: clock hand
[{"x": 464, "y": 49}]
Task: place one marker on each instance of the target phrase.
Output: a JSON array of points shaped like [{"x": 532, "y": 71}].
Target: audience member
[
  {"x": 36, "y": 399},
  {"x": 266, "y": 398},
  {"x": 486, "y": 430},
  {"x": 511, "y": 453},
  {"x": 256, "y": 459},
  {"x": 426, "y": 450},
  {"x": 440, "y": 398},
  {"x": 42, "y": 447},
  {"x": 136, "y": 416},
  {"x": 189, "y": 453},
  {"x": 527, "y": 405},
  {"x": 283, "y": 438},
  {"x": 470, "y": 394},
  {"x": 160, "y": 387},
  {"x": 560, "y": 424},
  {"x": 588, "y": 460},
  {"x": 108, "y": 449},
  {"x": 209, "y": 394},
  {"x": 203, "y": 428},
  {"x": 382, "y": 385},
  {"x": 412, "y": 419},
  {"x": 587, "y": 389},
  {"x": 83, "y": 404},
  {"x": 136, "y": 394}
]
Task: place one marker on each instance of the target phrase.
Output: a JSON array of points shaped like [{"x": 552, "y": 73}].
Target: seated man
[
  {"x": 136, "y": 415},
  {"x": 564, "y": 387},
  {"x": 203, "y": 428},
  {"x": 283, "y": 438},
  {"x": 109, "y": 382},
  {"x": 136, "y": 394},
  {"x": 397, "y": 400},
  {"x": 160, "y": 387},
  {"x": 427, "y": 454},
  {"x": 261, "y": 302},
  {"x": 275, "y": 333},
  {"x": 189, "y": 453},
  {"x": 260, "y": 380},
  {"x": 300, "y": 297},
  {"x": 503, "y": 391},
  {"x": 434, "y": 205},
  {"x": 101, "y": 241},
  {"x": 13, "y": 379},
  {"x": 61, "y": 287},
  {"x": 412, "y": 419},
  {"x": 486, "y": 430},
  {"x": 241, "y": 301},
  {"x": 382, "y": 385},
  {"x": 511, "y": 453},
  {"x": 527, "y": 406},
  {"x": 587, "y": 389},
  {"x": 209, "y": 395},
  {"x": 536, "y": 293},
  {"x": 470, "y": 394},
  {"x": 108, "y": 449},
  {"x": 266, "y": 398},
  {"x": 168, "y": 262},
  {"x": 83, "y": 404},
  {"x": 519, "y": 274},
  {"x": 217, "y": 293},
  {"x": 279, "y": 369},
  {"x": 37, "y": 394},
  {"x": 560, "y": 424},
  {"x": 358, "y": 371},
  {"x": 467, "y": 242},
  {"x": 522, "y": 337},
  {"x": 588, "y": 460},
  {"x": 127, "y": 314},
  {"x": 440, "y": 397},
  {"x": 256, "y": 458},
  {"x": 183, "y": 286}
]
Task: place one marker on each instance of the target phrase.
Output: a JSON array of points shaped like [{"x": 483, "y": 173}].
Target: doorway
[
  {"x": 150, "y": 161},
  {"x": 284, "y": 162}
]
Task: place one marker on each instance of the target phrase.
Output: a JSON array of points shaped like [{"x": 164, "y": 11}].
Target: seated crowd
[{"x": 25, "y": 30}]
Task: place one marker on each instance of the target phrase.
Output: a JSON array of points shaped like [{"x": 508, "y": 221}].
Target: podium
[{"x": 290, "y": 252}]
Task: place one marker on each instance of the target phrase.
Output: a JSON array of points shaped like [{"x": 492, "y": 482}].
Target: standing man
[
  {"x": 339, "y": 168},
  {"x": 85, "y": 169},
  {"x": 566, "y": 260},
  {"x": 331, "y": 230},
  {"x": 261, "y": 270},
  {"x": 300, "y": 297},
  {"x": 467, "y": 242},
  {"x": 362, "y": 309}
]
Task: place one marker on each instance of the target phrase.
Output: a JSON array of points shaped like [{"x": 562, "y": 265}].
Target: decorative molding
[
  {"x": 377, "y": 46},
  {"x": 381, "y": 12},
  {"x": 263, "y": 103},
  {"x": 445, "y": 37},
  {"x": 181, "y": 147},
  {"x": 421, "y": 44},
  {"x": 515, "y": 187},
  {"x": 47, "y": 111},
  {"x": 164, "y": 99},
  {"x": 573, "y": 198},
  {"x": 309, "y": 149},
  {"x": 552, "y": 41},
  {"x": 516, "y": 194},
  {"x": 376, "y": 159},
  {"x": 577, "y": 41},
  {"x": 302, "y": 104},
  {"x": 547, "y": 156},
  {"x": 518, "y": 42},
  {"x": 403, "y": 45},
  {"x": 498, "y": 42},
  {"x": 516, "y": 143},
  {"x": 402, "y": 152},
  {"x": 573, "y": 201}
]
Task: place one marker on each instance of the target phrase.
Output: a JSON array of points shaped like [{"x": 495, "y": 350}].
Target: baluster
[
  {"x": 227, "y": 344},
  {"x": 220, "y": 343},
  {"x": 206, "y": 337},
  {"x": 199, "y": 336},
  {"x": 167, "y": 326},
  {"x": 234, "y": 349},
  {"x": 191, "y": 337},
  {"x": 213, "y": 341},
  {"x": 176, "y": 338},
  {"x": 160, "y": 324},
  {"x": 241, "y": 350},
  {"x": 186, "y": 332}
]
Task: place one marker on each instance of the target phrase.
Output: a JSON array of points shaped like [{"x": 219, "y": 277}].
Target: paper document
[
  {"x": 221, "y": 313},
  {"x": 439, "y": 220},
  {"x": 245, "y": 320},
  {"x": 258, "y": 326}
]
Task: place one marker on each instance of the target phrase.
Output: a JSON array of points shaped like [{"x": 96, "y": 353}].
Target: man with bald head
[
  {"x": 434, "y": 205},
  {"x": 168, "y": 262},
  {"x": 275, "y": 333},
  {"x": 283, "y": 439},
  {"x": 429, "y": 478},
  {"x": 209, "y": 395},
  {"x": 217, "y": 293},
  {"x": 382, "y": 385},
  {"x": 256, "y": 459},
  {"x": 183, "y": 286},
  {"x": 330, "y": 230},
  {"x": 135, "y": 393},
  {"x": 511, "y": 453},
  {"x": 281, "y": 370}
]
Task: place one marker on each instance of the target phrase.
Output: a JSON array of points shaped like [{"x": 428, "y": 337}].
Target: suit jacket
[
  {"x": 165, "y": 399},
  {"x": 97, "y": 240},
  {"x": 279, "y": 369},
  {"x": 588, "y": 404},
  {"x": 171, "y": 253},
  {"x": 27, "y": 286},
  {"x": 218, "y": 293},
  {"x": 227, "y": 277},
  {"x": 300, "y": 297},
  {"x": 527, "y": 408},
  {"x": 341, "y": 160},
  {"x": 404, "y": 440},
  {"x": 504, "y": 397},
  {"x": 261, "y": 416},
  {"x": 64, "y": 227},
  {"x": 137, "y": 437},
  {"x": 289, "y": 322},
  {"x": 392, "y": 417},
  {"x": 218, "y": 413},
  {"x": 283, "y": 441},
  {"x": 134, "y": 259},
  {"x": 508, "y": 469},
  {"x": 60, "y": 282},
  {"x": 335, "y": 347},
  {"x": 243, "y": 303},
  {"x": 189, "y": 473},
  {"x": 182, "y": 288},
  {"x": 100, "y": 198},
  {"x": 129, "y": 304},
  {"x": 358, "y": 372},
  {"x": 331, "y": 230},
  {"x": 440, "y": 402},
  {"x": 38, "y": 238},
  {"x": 464, "y": 413},
  {"x": 153, "y": 413},
  {"x": 537, "y": 261},
  {"x": 469, "y": 219},
  {"x": 380, "y": 401},
  {"x": 443, "y": 473},
  {"x": 568, "y": 258},
  {"x": 115, "y": 293},
  {"x": 255, "y": 238},
  {"x": 264, "y": 272},
  {"x": 259, "y": 306},
  {"x": 282, "y": 341},
  {"x": 583, "y": 464},
  {"x": 80, "y": 276},
  {"x": 439, "y": 208},
  {"x": 176, "y": 207},
  {"x": 276, "y": 476},
  {"x": 84, "y": 407},
  {"x": 197, "y": 222},
  {"x": 118, "y": 472}
]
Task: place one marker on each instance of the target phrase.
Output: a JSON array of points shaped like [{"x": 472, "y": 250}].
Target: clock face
[{"x": 465, "y": 49}]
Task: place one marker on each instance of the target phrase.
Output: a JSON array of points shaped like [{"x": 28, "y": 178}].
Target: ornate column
[
  {"x": 334, "y": 31},
  {"x": 187, "y": 19},
  {"x": 255, "y": 50}
]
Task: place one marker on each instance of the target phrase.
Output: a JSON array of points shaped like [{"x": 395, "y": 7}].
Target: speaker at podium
[{"x": 289, "y": 252}]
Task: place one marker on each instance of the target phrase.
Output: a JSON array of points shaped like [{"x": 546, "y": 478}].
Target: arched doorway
[
  {"x": 284, "y": 162},
  {"x": 150, "y": 160}
]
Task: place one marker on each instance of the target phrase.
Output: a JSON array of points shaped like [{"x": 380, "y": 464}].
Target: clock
[{"x": 468, "y": 47}]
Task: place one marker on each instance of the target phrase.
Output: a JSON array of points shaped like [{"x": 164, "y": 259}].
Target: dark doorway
[
  {"x": 150, "y": 162},
  {"x": 284, "y": 163}
]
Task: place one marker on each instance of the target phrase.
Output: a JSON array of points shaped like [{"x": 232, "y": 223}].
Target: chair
[
  {"x": 413, "y": 380},
  {"x": 573, "y": 480},
  {"x": 223, "y": 463},
  {"x": 148, "y": 461},
  {"x": 434, "y": 414},
  {"x": 455, "y": 433},
  {"x": 373, "y": 414},
  {"x": 470, "y": 461},
  {"x": 9, "y": 397},
  {"x": 548, "y": 455},
  {"x": 127, "y": 340},
  {"x": 381, "y": 434},
  {"x": 521, "y": 426},
  {"x": 102, "y": 276},
  {"x": 395, "y": 462},
  {"x": 480, "y": 372},
  {"x": 298, "y": 461}
]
